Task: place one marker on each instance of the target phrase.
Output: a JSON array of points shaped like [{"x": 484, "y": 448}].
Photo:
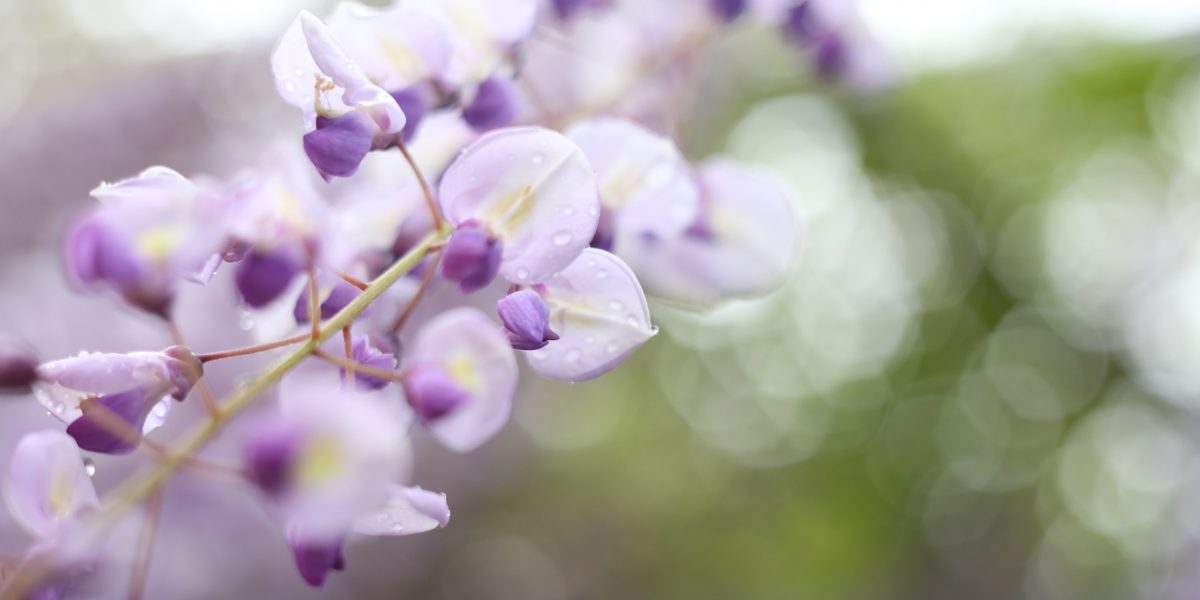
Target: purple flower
[
  {"x": 89, "y": 390},
  {"x": 727, "y": 10},
  {"x": 336, "y": 295},
  {"x": 261, "y": 277},
  {"x": 472, "y": 257},
  {"x": 646, "y": 186},
  {"x": 363, "y": 352},
  {"x": 569, "y": 9},
  {"x": 599, "y": 312},
  {"x": 315, "y": 558},
  {"x": 741, "y": 245},
  {"x": 148, "y": 233},
  {"x": 528, "y": 190},
  {"x": 462, "y": 376},
  {"x": 527, "y": 319},
  {"x": 18, "y": 367},
  {"x": 314, "y": 73}
]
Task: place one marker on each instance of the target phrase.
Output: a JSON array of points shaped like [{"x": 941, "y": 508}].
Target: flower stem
[
  {"x": 141, "y": 566},
  {"x": 223, "y": 354},
  {"x": 434, "y": 211}
]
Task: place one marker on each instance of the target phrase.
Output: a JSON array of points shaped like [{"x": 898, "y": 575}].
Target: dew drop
[
  {"x": 539, "y": 158},
  {"x": 563, "y": 238},
  {"x": 615, "y": 305},
  {"x": 245, "y": 323},
  {"x": 522, "y": 274},
  {"x": 569, "y": 210},
  {"x": 299, "y": 72},
  {"x": 573, "y": 355},
  {"x": 89, "y": 467},
  {"x": 397, "y": 528},
  {"x": 594, "y": 211},
  {"x": 611, "y": 347},
  {"x": 632, "y": 320},
  {"x": 602, "y": 274}
]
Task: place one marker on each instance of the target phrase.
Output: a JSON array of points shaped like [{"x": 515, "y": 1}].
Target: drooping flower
[
  {"x": 148, "y": 233},
  {"x": 111, "y": 400},
  {"x": 460, "y": 379},
  {"x": 646, "y": 186},
  {"x": 330, "y": 459},
  {"x": 741, "y": 245},
  {"x": 345, "y": 112},
  {"x": 599, "y": 314},
  {"x": 524, "y": 203}
]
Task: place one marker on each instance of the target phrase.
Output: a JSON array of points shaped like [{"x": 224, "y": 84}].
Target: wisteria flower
[
  {"x": 347, "y": 115},
  {"x": 742, "y": 244},
  {"x": 110, "y": 400},
  {"x": 330, "y": 459},
  {"x": 148, "y": 233},
  {"x": 591, "y": 316},
  {"x": 460, "y": 379},
  {"x": 18, "y": 367},
  {"x": 646, "y": 186},
  {"x": 523, "y": 203}
]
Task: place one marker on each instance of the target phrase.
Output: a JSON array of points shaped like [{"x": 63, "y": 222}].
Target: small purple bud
[
  {"x": 568, "y": 9},
  {"x": 342, "y": 294},
  {"x": 337, "y": 146},
  {"x": 262, "y": 276},
  {"x": 432, "y": 392},
  {"x": 184, "y": 371},
  {"x": 472, "y": 258},
  {"x": 96, "y": 434},
  {"x": 269, "y": 456},
  {"x": 315, "y": 560},
  {"x": 18, "y": 367},
  {"x": 495, "y": 104},
  {"x": 365, "y": 353},
  {"x": 416, "y": 101},
  {"x": 727, "y": 10},
  {"x": 527, "y": 319},
  {"x": 830, "y": 56}
]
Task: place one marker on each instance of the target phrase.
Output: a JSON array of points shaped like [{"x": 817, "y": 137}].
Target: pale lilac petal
[
  {"x": 599, "y": 312},
  {"x": 534, "y": 191},
  {"x": 104, "y": 373},
  {"x": 744, "y": 249},
  {"x": 644, "y": 181},
  {"x": 153, "y": 183},
  {"x": 358, "y": 90},
  {"x": 396, "y": 46},
  {"x": 471, "y": 348},
  {"x": 408, "y": 510},
  {"x": 47, "y": 482}
]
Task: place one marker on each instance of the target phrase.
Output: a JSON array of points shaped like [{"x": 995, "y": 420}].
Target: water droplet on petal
[
  {"x": 539, "y": 158},
  {"x": 522, "y": 274},
  {"x": 602, "y": 273},
  {"x": 245, "y": 323},
  {"x": 569, "y": 210},
  {"x": 632, "y": 320},
  {"x": 563, "y": 238},
  {"x": 594, "y": 211},
  {"x": 397, "y": 528},
  {"x": 89, "y": 467},
  {"x": 611, "y": 347},
  {"x": 573, "y": 355},
  {"x": 615, "y": 305}
]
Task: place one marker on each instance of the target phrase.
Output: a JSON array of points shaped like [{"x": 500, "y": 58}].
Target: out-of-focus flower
[
  {"x": 741, "y": 245},
  {"x": 111, "y": 400},
  {"x": 524, "y": 204},
  {"x": 460, "y": 379},
  {"x": 148, "y": 233},
  {"x": 599, "y": 313},
  {"x": 838, "y": 44},
  {"x": 646, "y": 186},
  {"x": 18, "y": 366},
  {"x": 329, "y": 459}
]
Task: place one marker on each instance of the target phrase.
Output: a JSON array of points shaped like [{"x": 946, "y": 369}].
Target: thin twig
[
  {"x": 426, "y": 280},
  {"x": 434, "y": 211},
  {"x": 223, "y": 354},
  {"x": 360, "y": 367},
  {"x": 349, "y": 349},
  {"x": 352, "y": 280},
  {"x": 206, "y": 393},
  {"x": 141, "y": 565}
]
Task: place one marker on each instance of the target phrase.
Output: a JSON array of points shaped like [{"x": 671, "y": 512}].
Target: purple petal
[
  {"x": 569, "y": 9},
  {"x": 644, "y": 181},
  {"x": 262, "y": 276},
  {"x": 416, "y": 101},
  {"x": 315, "y": 559},
  {"x": 408, "y": 510},
  {"x": 471, "y": 258},
  {"x": 339, "y": 295},
  {"x": 269, "y": 454},
  {"x": 18, "y": 367},
  {"x": 339, "y": 145},
  {"x": 742, "y": 247},
  {"x": 496, "y": 104},
  {"x": 600, "y": 313},
  {"x": 110, "y": 373},
  {"x": 471, "y": 349},
  {"x": 527, "y": 319},
  {"x": 432, "y": 392},
  {"x": 96, "y": 254},
  {"x": 365, "y": 353},
  {"x": 47, "y": 482},
  {"x": 92, "y": 431},
  {"x": 727, "y": 10},
  {"x": 533, "y": 190}
]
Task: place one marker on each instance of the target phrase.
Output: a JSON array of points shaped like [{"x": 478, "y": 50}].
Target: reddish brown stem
[
  {"x": 314, "y": 304},
  {"x": 426, "y": 281},
  {"x": 248, "y": 350},
  {"x": 360, "y": 367},
  {"x": 434, "y": 211},
  {"x": 352, "y": 280},
  {"x": 141, "y": 566},
  {"x": 349, "y": 349}
]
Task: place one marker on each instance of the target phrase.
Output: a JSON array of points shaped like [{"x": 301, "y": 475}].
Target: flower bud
[
  {"x": 526, "y": 319},
  {"x": 494, "y": 105},
  {"x": 18, "y": 367},
  {"x": 472, "y": 258},
  {"x": 432, "y": 392}
]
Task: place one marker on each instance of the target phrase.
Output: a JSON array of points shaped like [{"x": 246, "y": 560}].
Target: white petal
[
  {"x": 408, "y": 510},
  {"x": 47, "y": 482},
  {"x": 599, "y": 312}
]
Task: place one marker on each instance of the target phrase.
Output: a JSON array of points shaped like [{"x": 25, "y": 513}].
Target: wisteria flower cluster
[{"x": 559, "y": 216}]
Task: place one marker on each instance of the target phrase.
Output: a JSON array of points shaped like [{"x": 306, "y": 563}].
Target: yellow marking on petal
[
  {"x": 510, "y": 212},
  {"x": 463, "y": 370},
  {"x": 321, "y": 461},
  {"x": 403, "y": 57},
  {"x": 157, "y": 244},
  {"x": 62, "y": 490}
]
